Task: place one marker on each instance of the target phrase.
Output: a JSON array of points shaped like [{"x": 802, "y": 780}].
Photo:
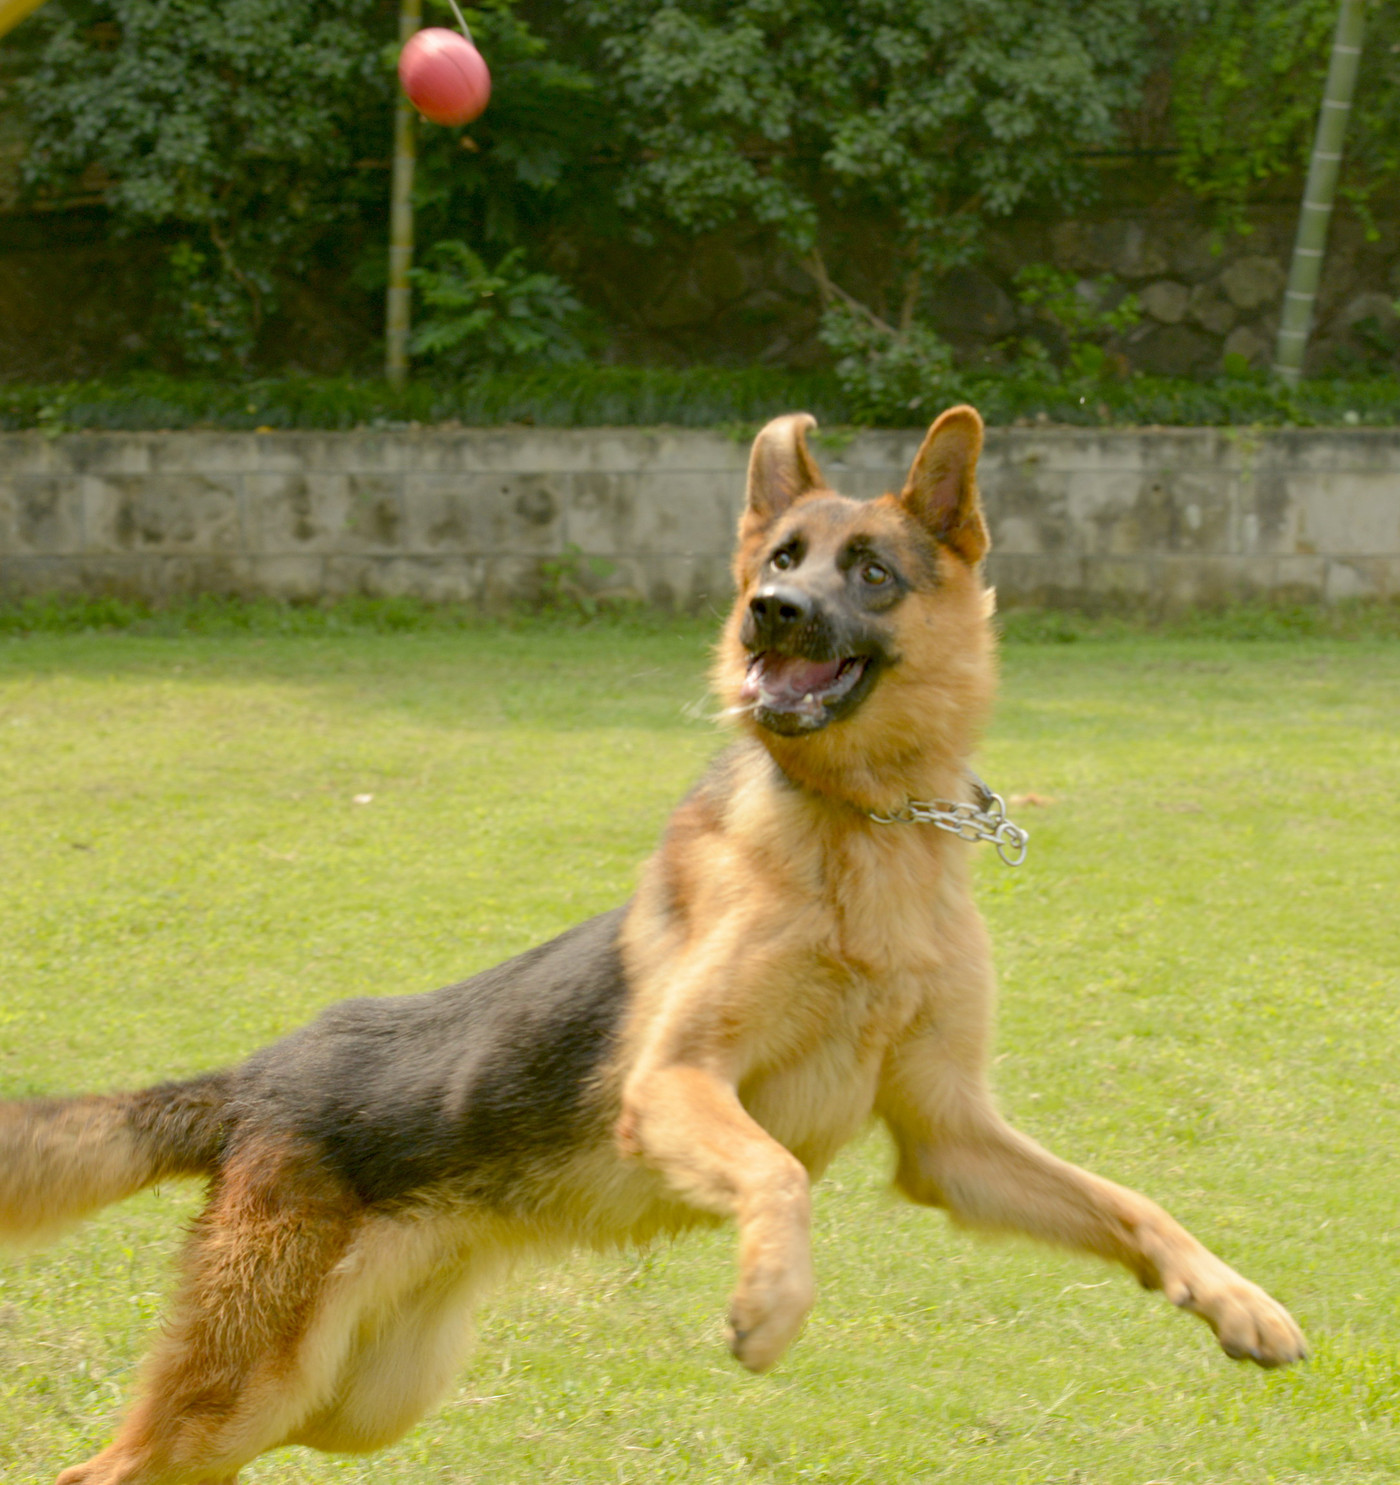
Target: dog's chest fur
[{"x": 805, "y": 977}]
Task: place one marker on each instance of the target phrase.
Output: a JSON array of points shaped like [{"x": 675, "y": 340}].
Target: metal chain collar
[{"x": 985, "y": 820}]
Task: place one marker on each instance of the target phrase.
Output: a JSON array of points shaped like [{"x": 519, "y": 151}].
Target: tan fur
[
  {"x": 794, "y": 968},
  {"x": 798, "y": 966},
  {"x": 60, "y": 1163}
]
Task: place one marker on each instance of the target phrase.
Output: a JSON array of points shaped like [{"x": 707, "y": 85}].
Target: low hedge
[
  {"x": 564, "y": 397},
  {"x": 696, "y": 397},
  {"x": 229, "y": 617}
]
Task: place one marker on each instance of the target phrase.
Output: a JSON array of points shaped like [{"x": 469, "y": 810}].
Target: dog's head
[{"x": 860, "y": 638}]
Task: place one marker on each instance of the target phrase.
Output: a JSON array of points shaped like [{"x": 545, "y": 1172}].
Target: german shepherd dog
[{"x": 789, "y": 968}]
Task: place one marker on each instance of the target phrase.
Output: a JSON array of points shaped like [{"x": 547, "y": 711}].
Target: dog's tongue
[{"x": 781, "y": 682}]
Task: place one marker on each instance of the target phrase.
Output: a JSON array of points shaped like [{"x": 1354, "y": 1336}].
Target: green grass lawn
[{"x": 1201, "y": 998}]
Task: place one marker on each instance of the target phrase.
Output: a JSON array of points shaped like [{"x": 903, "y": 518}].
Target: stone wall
[
  {"x": 1085, "y": 517},
  {"x": 76, "y": 302},
  {"x": 738, "y": 297}
]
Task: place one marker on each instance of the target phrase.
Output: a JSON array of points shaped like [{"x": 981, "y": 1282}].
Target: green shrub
[
  {"x": 505, "y": 318},
  {"x": 585, "y": 395},
  {"x": 885, "y": 373},
  {"x": 571, "y": 396},
  {"x": 896, "y": 376},
  {"x": 571, "y": 597}
]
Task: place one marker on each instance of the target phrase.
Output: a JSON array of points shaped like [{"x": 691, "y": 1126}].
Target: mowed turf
[{"x": 1200, "y": 995}]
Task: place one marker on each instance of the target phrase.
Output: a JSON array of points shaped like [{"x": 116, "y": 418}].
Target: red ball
[{"x": 444, "y": 76}]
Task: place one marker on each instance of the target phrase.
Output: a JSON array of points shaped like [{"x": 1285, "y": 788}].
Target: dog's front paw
[
  {"x": 1250, "y": 1324},
  {"x": 765, "y": 1314}
]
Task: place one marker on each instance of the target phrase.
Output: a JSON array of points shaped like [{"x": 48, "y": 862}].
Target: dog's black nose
[{"x": 778, "y": 612}]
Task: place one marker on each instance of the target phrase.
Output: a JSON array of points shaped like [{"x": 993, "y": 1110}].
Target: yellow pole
[
  {"x": 12, "y": 12},
  {"x": 1310, "y": 244},
  {"x": 397, "y": 307}
]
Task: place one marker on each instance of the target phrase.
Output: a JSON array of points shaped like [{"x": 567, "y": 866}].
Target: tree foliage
[
  {"x": 1247, "y": 83},
  {"x": 254, "y": 132},
  {"x": 510, "y": 177},
  {"x": 234, "y": 125},
  {"x": 829, "y": 120},
  {"x": 878, "y": 140}
]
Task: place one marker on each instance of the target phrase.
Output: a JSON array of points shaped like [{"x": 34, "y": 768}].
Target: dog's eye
[
  {"x": 782, "y": 559},
  {"x": 875, "y": 574}
]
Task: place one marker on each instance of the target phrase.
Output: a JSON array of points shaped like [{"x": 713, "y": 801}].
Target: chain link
[{"x": 985, "y": 820}]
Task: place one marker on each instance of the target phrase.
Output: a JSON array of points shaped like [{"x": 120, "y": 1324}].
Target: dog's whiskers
[{"x": 701, "y": 711}]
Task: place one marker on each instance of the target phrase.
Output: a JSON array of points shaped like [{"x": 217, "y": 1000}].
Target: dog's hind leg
[
  {"x": 408, "y": 1342},
  {"x": 253, "y": 1346},
  {"x": 956, "y": 1151}
]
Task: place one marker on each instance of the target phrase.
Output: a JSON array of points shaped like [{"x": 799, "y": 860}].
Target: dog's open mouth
[{"x": 792, "y": 694}]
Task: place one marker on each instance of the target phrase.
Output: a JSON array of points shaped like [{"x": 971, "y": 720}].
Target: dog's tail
[{"x": 63, "y": 1158}]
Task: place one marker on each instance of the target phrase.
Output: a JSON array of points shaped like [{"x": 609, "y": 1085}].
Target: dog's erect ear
[
  {"x": 781, "y": 469},
  {"x": 941, "y": 491}
]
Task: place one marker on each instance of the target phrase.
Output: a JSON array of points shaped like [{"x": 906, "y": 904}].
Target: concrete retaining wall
[{"x": 1164, "y": 517}]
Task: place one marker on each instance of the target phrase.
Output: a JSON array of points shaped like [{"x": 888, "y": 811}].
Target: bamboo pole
[
  {"x": 1310, "y": 244},
  {"x": 398, "y": 303}
]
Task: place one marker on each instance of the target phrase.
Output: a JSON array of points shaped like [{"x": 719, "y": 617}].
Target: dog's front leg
[
  {"x": 689, "y": 1124},
  {"x": 956, "y": 1151}
]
